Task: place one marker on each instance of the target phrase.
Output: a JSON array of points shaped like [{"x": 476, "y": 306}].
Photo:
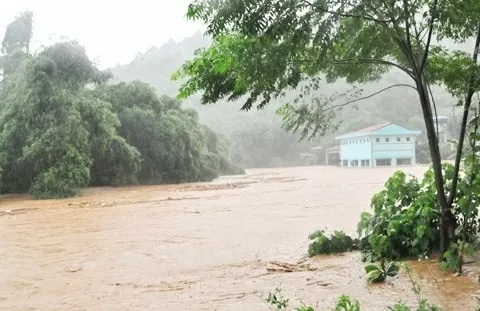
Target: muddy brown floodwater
[{"x": 209, "y": 246}]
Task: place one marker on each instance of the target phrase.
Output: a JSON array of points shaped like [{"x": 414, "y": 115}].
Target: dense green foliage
[
  {"x": 404, "y": 220},
  {"x": 62, "y": 128},
  {"x": 323, "y": 244}
]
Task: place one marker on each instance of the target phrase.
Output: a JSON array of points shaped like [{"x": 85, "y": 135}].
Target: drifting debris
[
  {"x": 16, "y": 211},
  {"x": 285, "y": 267}
]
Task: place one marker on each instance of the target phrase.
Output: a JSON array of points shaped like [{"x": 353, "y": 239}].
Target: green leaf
[
  {"x": 371, "y": 267},
  {"x": 376, "y": 276},
  {"x": 392, "y": 269}
]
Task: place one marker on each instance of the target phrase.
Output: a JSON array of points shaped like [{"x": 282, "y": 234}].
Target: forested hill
[{"x": 256, "y": 136}]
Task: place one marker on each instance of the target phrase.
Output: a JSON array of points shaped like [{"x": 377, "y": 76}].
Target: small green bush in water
[
  {"x": 345, "y": 303},
  {"x": 338, "y": 242},
  {"x": 377, "y": 273}
]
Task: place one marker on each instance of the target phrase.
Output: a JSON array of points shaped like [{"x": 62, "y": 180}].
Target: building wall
[
  {"x": 358, "y": 148},
  {"x": 386, "y": 144},
  {"x": 393, "y": 148}
]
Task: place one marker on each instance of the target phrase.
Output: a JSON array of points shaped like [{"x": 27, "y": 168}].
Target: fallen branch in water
[
  {"x": 234, "y": 296},
  {"x": 288, "y": 267}
]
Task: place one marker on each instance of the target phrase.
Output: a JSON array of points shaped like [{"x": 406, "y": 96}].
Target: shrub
[
  {"x": 379, "y": 272},
  {"x": 404, "y": 220},
  {"x": 338, "y": 242}
]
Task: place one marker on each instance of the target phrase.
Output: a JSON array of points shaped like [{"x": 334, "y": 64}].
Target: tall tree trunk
[{"x": 445, "y": 223}]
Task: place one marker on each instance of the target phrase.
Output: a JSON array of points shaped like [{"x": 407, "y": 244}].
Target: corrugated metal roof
[{"x": 371, "y": 128}]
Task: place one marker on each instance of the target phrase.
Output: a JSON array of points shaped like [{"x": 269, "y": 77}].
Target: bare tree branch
[
  {"x": 407, "y": 23},
  {"x": 369, "y": 18},
  {"x": 350, "y": 61},
  {"x": 429, "y": 37},
  {"x": 369, "y": 96},
  {"x": 434, "y": 104}
]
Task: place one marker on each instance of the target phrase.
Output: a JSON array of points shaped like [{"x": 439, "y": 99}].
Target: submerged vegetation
[
  {"x": 336, "y": 243},
  {"x": 345, "y": 303},
  {"x": 63, "y": 127}
]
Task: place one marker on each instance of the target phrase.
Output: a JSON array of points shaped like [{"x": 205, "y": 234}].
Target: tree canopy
[
  {"x": 263, "y": 48},
  {"x": 63, "y": 128}
]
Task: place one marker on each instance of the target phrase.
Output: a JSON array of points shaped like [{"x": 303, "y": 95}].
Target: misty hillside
[{"x": 256, "y": 137}]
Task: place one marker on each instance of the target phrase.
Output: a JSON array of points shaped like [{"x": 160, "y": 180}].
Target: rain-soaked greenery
[{"x": 64, "y": 127}]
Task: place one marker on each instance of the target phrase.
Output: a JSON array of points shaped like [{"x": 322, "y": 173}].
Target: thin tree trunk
[
  {"x": 463, "y": 128},
  {"x": 436, "y": 162}
]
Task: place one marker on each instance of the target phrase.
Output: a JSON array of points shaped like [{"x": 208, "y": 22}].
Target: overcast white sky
[{"x": 112, "y": 31}]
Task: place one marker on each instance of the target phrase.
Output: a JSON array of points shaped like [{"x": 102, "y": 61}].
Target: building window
[
  {"x": 387, "y": 140},
  {"x": 404, "y": 161},
  {"x": 377, "y": 140},
  {"x": 408, "y": 138},
  {"x": 365, "y": 163},
  {"x": 345, "y": 162},
  {"x": 384, "y": 162},
  {"x": 354, "y": 163},
  {"x": 399, "y": 139}
]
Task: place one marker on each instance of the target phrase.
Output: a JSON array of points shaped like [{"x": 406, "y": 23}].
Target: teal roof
[{"x": 379, "y": 129}]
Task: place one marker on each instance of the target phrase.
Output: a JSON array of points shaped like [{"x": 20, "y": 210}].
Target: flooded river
[{"x": 201, "y": 246}]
